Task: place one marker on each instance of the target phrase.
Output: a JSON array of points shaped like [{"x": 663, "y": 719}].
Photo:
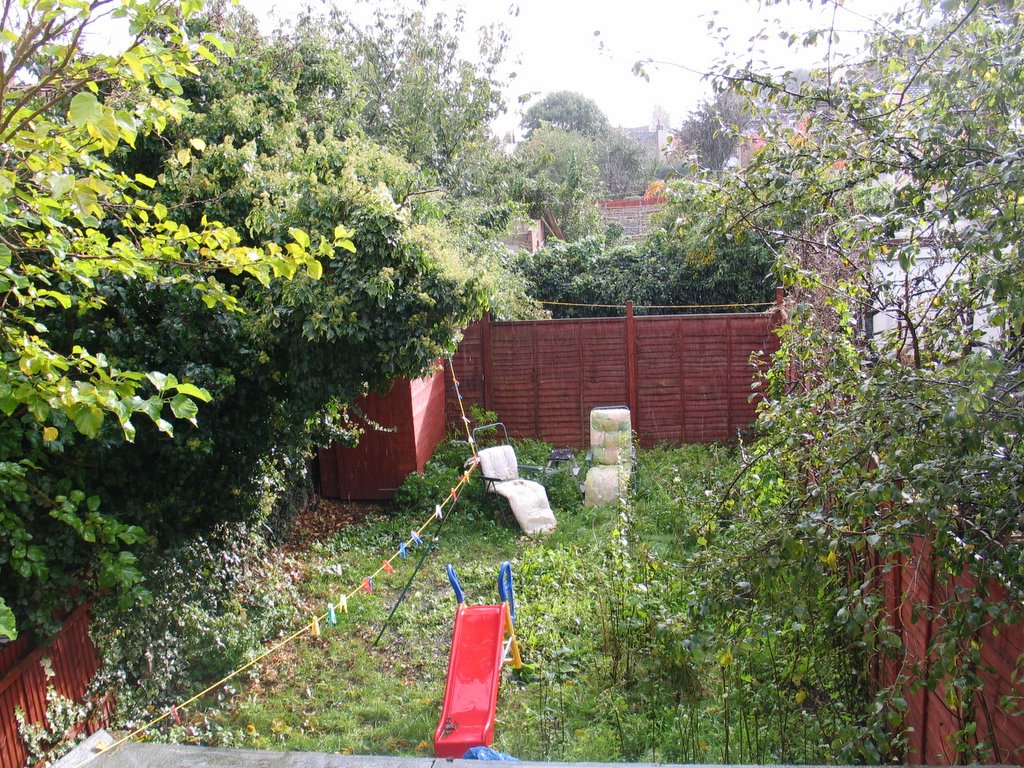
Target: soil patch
[{"x": 322, "y": 518}]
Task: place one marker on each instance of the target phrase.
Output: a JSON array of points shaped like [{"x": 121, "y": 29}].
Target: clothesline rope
[
  {"x": 658, "y": 306},
  {"x": 313, "y": 627}
]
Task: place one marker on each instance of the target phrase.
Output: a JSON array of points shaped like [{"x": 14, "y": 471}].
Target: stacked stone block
[{"x": 611, "y": 450}]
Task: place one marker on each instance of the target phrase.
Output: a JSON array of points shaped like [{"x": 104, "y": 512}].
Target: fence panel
[
  {"x": 23, "y": 682},
  {"x": 687, "y": 377},
  {"x": 910, "y": 589}
]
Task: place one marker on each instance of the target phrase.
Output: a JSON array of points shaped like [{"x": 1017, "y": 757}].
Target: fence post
[
  {"x": 631, "y": 364},
  {"x": 487, "y": 361}
]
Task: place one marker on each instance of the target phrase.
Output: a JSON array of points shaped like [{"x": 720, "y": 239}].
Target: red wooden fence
[
  {"x": 23, "y": 682},
  {"x": 909, "y": 588},
  {"x": 686, "y": 378}
]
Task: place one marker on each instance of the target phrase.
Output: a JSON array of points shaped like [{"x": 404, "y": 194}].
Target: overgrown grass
[{"x": 621, "y": 665}]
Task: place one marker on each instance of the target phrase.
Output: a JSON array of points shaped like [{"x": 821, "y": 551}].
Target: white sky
[{"x": 590, "y": 47}]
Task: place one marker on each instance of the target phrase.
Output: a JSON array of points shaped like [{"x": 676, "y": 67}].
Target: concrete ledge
[{"x": 151, "y": 755}]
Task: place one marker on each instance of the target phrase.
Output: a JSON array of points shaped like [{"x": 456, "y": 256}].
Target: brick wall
[{"x": 633, "y": 215}]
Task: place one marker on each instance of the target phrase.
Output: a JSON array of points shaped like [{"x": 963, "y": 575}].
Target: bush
[{"x": 215, "y": 601}]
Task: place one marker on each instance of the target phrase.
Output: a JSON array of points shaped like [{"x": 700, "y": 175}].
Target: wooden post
[
  {"x": 729, "y": 419},
  {"x": 632, "y": 386},
  {"x": 926, "y": 715},
  {"x": 779, "y": 296},
  {"x": 487, "y": 361}
]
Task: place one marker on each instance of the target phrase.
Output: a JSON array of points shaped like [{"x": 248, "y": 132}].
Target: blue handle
[
  {"x": 505, "y": 592},
  {"x": 453, "y": 579}
]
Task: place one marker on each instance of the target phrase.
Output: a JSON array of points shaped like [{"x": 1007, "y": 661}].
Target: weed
[{"x": 634, "y": 650}]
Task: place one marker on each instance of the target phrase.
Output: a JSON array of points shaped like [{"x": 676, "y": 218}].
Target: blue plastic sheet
[{"x": 486, "y": 753}]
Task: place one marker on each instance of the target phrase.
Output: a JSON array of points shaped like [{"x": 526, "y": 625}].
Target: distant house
[
  {"x": 526, "y": 236},
  {"x": 657, "y": 140}
]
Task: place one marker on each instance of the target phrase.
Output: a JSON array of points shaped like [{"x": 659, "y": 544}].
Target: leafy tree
[
  {"x": 567, "y": 111},
  {"x": 559, "y": 180},
  {"x": 713, "y": 131},
  {"x": 274, "y": 373},
  {"x": 418, "y": 95},
  {"x": 112, "y": 279},
  {"x": 73, "y": 221},
  {"x": 626, "y": 165},
  {"x": 892, "y": 414}
]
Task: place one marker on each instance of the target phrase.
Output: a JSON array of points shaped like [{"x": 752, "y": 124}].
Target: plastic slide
[{"x": 474, "y": 671}]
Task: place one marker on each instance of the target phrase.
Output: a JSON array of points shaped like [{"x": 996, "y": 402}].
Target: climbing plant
[
  {"x": 72, "y": 221},
  {"x": 179, "y": 285}
]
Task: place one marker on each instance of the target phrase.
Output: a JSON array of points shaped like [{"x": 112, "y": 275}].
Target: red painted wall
[
  {"x": 23, "y": 683},
  {"x": 909, "y": 588}
]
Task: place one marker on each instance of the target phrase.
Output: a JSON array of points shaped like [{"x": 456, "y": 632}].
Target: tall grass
[{"x": 631, "y": 653}]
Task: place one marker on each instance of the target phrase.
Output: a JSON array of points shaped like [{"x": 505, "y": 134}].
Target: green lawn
[{"x": 616, "y": 667}]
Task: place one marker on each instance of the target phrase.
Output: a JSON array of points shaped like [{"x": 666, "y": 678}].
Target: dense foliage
[
  {"x": 225, "y": 234},
  {"x": 72, "y": 222},
  {"x": 665, "y": 271},
  {"x": 893, "y": 414}
]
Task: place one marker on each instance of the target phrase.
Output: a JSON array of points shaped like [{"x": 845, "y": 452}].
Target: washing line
[
  {"x": 657, "y": 306},
  {"x": 313, "y": 627}
]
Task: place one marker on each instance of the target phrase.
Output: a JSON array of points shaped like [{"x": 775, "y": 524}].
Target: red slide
[{"x": 474, "y": 671}]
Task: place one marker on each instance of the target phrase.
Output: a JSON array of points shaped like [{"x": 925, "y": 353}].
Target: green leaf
[
  {"x": 299, "y": 236},
  {"x": 85, "y": 110},
  {"x": 197, "y": 392},
  {"x": 8, "y": 626},
  {"x": 88, "y": 419},
  {"x": 197, "y": 144},
  {"x": 158, "y": 380},
  {"x": 169, "y": 82},
  {"x": 145, "y": 180},
  {"x": 184, "y": 407}
]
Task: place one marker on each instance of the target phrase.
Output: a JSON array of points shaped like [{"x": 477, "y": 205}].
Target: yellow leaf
[
  {"x": 50, "y": 434},
  {"x": 801, "y": 696},
  {"x": 184, "y": 156}
]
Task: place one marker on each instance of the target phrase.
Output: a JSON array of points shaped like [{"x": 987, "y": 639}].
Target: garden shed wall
[{"x": 413, "y": 415}]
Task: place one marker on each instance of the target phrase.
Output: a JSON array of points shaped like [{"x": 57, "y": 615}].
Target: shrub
[{"x": 215, "y": 601}]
